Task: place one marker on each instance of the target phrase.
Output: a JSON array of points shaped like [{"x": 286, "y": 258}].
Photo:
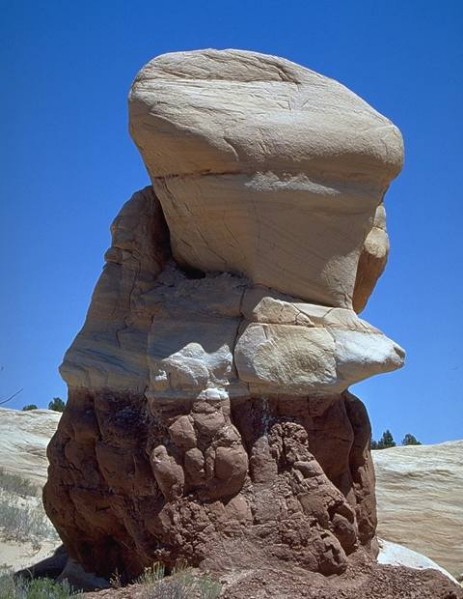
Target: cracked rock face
[{"x": 208, "y": 389}]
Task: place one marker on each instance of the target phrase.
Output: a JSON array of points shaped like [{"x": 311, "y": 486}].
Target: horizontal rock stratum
[
  {"x": 419, "y": 493},
  {"x": 154, "y": 328}
]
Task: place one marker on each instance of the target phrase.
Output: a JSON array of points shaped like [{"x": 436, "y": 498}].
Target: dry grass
[
  {"x": 41, "y": 588},
  {"x": 181, "y": 584},
  {"x": 16, "y": 485},
  {"x": 22, "y": 517}
]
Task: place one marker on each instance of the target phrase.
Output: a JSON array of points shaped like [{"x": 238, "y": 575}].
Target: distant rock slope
[
  {"x": 26, "y": 534},
  {"x": 24, "y": 437},
  {"x": 419, "y": 492}
]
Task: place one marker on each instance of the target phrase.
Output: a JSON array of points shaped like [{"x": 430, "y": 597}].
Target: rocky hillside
[{"x": 420, "y": 500}]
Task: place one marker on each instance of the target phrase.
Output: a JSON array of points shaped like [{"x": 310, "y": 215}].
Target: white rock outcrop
[
  {"x": 393, "y": 554},
  {"x": 239, "y": 271},
  {"x": 24, "y": 437}
]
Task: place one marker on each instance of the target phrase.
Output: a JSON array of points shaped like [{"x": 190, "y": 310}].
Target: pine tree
[
  {"x": 386, "y": 441},
  {"x": 57, "y": 405},
  {"x": 410, "y": 440}
]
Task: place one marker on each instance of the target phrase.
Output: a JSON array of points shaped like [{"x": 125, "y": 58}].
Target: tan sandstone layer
[{"x": 266, "y": 168}]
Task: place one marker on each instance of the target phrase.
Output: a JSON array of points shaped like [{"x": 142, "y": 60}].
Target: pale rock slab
[
  {"x": 24, "y": 437},
  {"x": 394, "y": 554},
  {"x": 298, "y": 348}
]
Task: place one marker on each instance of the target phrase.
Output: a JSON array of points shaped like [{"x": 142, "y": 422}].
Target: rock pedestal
[{"x": 208, "y": 400}]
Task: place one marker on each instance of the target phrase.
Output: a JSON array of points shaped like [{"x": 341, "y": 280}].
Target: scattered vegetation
[
  {"x": 40, "y": 588},
  {"x": 387, "y": 440},
  {"x": 57, "y": 404},
  {"x": 181, "y": 584},
  {"x": 29, "y": 407},
  {"x": 12, "y": 483},
  {"x": 22, "y": 517},
  {"x": 25, "y": 523},
  {"x": 410, "y": 440}
]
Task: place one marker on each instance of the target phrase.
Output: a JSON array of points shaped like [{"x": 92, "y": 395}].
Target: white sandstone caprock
[{"x": 263, "y": 168}]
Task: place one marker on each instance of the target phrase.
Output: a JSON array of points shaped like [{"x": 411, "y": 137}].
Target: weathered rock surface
[
  {"x": 152, "y": 327},
  {"x": 419, "y": 493},
  {"x": 208, "y": 404},
  {"x": 265, "y": 168},
  {"x": 281, "y": 581},
  {"x": 372, "y": 261},
  {"x": 198, "y": 475},
  {"x": 24, "y": 437}
]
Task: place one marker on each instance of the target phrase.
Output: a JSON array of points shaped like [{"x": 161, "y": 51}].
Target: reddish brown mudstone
[{"x": 132, "y": 482}]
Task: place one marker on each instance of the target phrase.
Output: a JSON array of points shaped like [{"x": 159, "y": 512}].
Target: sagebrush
[
  {"x": 22, "y": 517},
  {"x": 12, "y": 483},
  {"x": 40, "y": 588},
  {"x": 181, "y": 584}
]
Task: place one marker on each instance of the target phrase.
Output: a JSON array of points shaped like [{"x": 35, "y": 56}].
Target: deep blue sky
[{"x": 67, "y": 165}]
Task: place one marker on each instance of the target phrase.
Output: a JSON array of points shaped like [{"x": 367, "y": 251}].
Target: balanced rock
[{"x": 208, "y": 400}]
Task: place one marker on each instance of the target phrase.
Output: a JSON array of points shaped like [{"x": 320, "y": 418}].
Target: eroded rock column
[{"x": 209, "y": 416}]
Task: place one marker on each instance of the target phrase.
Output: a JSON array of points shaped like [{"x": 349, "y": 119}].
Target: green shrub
[
  {"x": 410, "y": 440},
  {"x": 29, "y": 407},
  {"x": 40, "y": 588},
  {"x": 57, "y": 404},
  {"x": 385, "y": 442}
]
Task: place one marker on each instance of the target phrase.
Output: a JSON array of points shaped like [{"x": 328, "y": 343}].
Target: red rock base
[{"x": 133, "y": 482}]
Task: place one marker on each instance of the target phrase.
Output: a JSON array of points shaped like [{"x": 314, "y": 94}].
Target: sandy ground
[{"x": 22, "y": 555}]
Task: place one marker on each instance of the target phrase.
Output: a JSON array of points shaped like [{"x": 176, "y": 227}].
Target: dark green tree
[
  {"x": 29, "y": 407},
  {"x": 386, "y": 441},
  {"x": 57, "y": 404},
  {"x": 410, "y": 440}
]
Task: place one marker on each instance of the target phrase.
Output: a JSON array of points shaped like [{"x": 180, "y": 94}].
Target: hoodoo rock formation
[{"x": 209, "y": 416}]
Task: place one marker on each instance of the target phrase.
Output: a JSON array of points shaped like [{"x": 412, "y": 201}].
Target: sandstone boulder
[{"x": 264, "y": 168}]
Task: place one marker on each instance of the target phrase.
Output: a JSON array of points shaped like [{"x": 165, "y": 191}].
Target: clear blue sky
[{"x": 67, "y": 165}]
